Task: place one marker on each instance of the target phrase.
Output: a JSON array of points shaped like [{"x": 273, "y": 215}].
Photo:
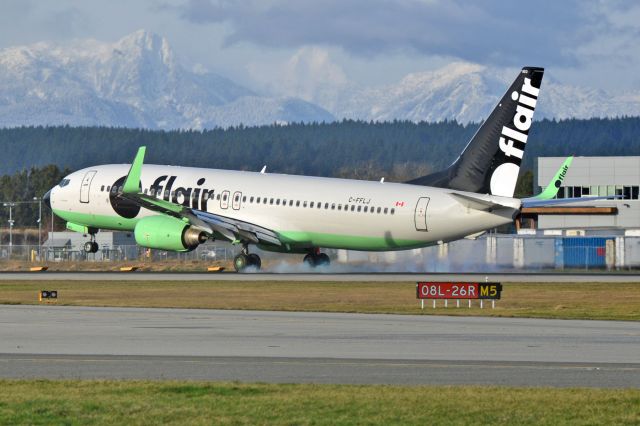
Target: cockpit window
[{"x": 64, "y": 182}]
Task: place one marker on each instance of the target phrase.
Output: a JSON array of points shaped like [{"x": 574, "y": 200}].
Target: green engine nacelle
[{"x": 168, "y": 233}]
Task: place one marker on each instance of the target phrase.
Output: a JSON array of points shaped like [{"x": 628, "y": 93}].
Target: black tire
[
  {"x": 323, "y": 260},
  {"x": 310, "y": 260},
  {"x": 254, "y": 260},
  {"x": 94, "y": 247},
  {"x": 240, "y": 262},
  {"x": 88, "y": 247}
]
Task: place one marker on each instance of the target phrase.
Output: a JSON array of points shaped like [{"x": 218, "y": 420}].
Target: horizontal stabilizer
[
  {"x": 485, "y": 202},
  {"x": 533, "y": 202}
]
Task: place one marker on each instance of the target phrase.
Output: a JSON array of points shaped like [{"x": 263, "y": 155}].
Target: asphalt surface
[
  {"x": 81, "y": 342},
  {"x": 379, "y": 276}
]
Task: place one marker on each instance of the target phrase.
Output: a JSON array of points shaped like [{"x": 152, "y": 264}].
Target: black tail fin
[{"x": 491, "y": 161}]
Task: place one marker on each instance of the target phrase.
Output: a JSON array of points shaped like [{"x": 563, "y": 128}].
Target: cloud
[
  {"x": 494, "y": 31},
  {"x": 309, "y": 74}
]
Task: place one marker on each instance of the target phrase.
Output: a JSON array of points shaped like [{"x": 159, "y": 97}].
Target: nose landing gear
[
  {"x": 245, "y": 260},
  {"x": 91, "y": 246}
]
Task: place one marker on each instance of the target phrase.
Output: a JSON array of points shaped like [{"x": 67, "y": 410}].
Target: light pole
[
  {"x": 10, "y": 205},
  {"x": 39, "y": 200}
]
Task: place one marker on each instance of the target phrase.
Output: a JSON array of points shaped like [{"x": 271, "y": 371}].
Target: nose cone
[{"x": 47, "y": 198}]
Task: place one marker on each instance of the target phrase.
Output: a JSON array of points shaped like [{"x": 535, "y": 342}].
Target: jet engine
[{"x": 168, "y": 233}]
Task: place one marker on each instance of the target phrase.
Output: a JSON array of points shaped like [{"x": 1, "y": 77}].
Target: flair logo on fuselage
[
  {"x": 513, "y": 139},
  {"x": 193, "y": 197}
]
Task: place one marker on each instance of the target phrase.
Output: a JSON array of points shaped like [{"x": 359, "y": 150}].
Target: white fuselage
[{"x": 305, "y": 211}]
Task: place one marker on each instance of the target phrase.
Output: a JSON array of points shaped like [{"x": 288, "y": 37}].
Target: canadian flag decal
[{"x": 399, "y": 203}]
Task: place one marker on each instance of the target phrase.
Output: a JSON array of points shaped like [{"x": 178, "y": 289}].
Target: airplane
[
  {"x": 551, "y": 190},
  {"x": 178, "y": 208}
]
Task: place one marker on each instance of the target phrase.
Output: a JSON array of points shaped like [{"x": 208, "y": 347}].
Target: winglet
[
  {"x": 554, "y": 185},
  {"x": 132, "y": 182}
]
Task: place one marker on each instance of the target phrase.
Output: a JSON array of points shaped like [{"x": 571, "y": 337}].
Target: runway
[
  {"x": 377, "y": 277},
  {"x": 292, "y": 347}
]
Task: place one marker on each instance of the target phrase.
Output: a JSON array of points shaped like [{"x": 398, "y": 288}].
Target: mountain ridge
[{"x": 138, "y": 82}]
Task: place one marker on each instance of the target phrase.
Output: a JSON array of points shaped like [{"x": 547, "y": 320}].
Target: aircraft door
[
  {"x": 421, "y": 214},
  {"x": 224, "y": 200},
  {"x": 237, "y": 196},
  {"x": 86, "y": 185}
]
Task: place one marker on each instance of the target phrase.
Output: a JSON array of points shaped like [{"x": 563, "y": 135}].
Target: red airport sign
[{"x": 451, "y": 290}]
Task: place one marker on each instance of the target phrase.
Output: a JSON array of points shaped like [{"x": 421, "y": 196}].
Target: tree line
[{"x": 35, "y": 158}]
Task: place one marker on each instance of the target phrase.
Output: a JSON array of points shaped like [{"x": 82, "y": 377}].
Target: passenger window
[
  {"x": 311, "y": 205},
  {"x": 224, "y": 197},
  {"x": 271, "y": 201},
  {"x": 393, "y": 211},
  {"x": 353, "y": 208},
  {"x": 290, "y": 203},
  {"x": 244, "y": 199},
  {"x": 277, "y": 201},
  {"x": 386, "y": 210},
  {"x": 359, "y": 209},
  {"x": 366, "y": 208},
  {"x": 304, "y": 204},
  {"x": 340, "y": 207},
  {"x": 326, "y": 206},
  {"x": 251, "y": 200},
  {"x": 108, "y": 188},
  {"x": 102, "y": 188},
  {"x": 258, "y": 200},
  {"x": 298, "y": 203},
  {"x": 333, "y": 206},
  {"x": 379, "y": 209},
  {"x": 264, "y": 200},
  {"x": 319, "y": 205},
  {"x": 212, "y": 196}
]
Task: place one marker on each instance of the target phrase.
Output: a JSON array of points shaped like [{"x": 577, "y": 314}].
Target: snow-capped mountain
[
  {"x": 468, "y": 92},
  {"x": 135, "y": 82}
]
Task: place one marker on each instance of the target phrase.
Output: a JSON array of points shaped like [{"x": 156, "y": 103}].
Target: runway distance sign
[{"x": 451, "y": 290}]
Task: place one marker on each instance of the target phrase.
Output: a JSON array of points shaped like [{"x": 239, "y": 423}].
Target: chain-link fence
[
  {"x": 506, "y": 252},
  {"x": 116, "y": 253}
]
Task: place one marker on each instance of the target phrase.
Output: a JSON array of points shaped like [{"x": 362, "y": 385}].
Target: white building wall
[{"x": 604, "y": 172}]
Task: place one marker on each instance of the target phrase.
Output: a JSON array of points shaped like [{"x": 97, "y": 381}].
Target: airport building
[{"x": 589, "y": 177}]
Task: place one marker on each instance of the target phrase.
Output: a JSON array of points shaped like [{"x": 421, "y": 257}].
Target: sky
[{"x": 260, "y": 43}]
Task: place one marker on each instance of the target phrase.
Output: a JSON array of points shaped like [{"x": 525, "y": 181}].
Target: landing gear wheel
[
  {"x": 94, "y": 247},
  {"x": 316, "y": 259},
  {"x": 322, "y": 260},
  {"x": 240, "y": 262},
  {"x": 310, "y": 260},
  {"x": 254, "y": 260},
  {"x": 91, "y": 247}
]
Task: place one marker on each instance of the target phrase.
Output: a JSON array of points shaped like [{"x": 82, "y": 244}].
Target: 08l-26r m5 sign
[{"x": 449, "y": 290}]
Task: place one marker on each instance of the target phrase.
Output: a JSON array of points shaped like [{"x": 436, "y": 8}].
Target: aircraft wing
[{"x": 232, "y": 229}]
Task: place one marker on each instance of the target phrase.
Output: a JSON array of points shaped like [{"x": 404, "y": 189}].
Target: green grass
[
  {"x": 620, "y": 301},
  {"x": 130, "y": 402}
]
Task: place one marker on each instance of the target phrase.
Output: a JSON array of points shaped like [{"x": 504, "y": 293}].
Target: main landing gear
[
  {"x": 91, "y": 246},
  {"x": 246, "y": 260},
  {"x": 315, "y": 258}
]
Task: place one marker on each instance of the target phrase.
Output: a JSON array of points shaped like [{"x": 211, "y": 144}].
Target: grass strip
[
  {"x": 145, "y": 402},
  {"x": 605, "y": 301}
]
